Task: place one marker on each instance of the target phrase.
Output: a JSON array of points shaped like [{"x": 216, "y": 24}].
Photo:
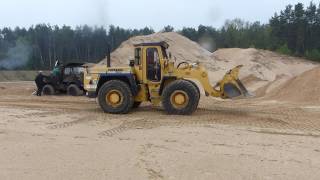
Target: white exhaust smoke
[{"x": 17, "y": 56}]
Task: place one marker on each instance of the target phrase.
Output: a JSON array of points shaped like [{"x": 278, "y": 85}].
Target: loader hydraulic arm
[{"x": 229, "y": 87}]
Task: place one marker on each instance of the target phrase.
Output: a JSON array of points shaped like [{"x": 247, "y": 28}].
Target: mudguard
[{"x": 129, "y": 78}]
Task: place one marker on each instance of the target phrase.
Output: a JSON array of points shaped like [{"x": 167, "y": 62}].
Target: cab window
[
  {"x": 78, "y": 70},
  {"x": 137, "y": 56},
  {"x": 73, "y": 70},
  {"x": 67, "y": 71}
]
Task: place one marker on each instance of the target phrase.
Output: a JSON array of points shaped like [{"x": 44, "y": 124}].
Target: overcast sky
[{"x": 137, "y": 13}]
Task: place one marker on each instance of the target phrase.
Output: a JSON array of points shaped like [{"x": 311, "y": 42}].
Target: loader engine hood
[
  {"x": 98, "y": 69},
  {"x": 92, "y": 75}
]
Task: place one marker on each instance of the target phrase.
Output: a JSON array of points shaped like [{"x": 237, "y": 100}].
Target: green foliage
[
  {"x": 298, "y": 27},
  {"x": 235, "y": 33},
  {"x": 190, "y": 33},
  {"x": 284, "y": 50},
  {"x": 168, "y": 29},
  {"x": 314, "y": 54}
]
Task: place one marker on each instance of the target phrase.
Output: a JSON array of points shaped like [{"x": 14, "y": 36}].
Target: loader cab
[{"x": 149, "y": 61}]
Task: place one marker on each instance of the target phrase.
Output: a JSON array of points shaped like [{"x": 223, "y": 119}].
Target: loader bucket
[
  {"x": 243, "y": 89},
  {"x": 232, "y": 91},
  {"x": 231, "y": 86}
]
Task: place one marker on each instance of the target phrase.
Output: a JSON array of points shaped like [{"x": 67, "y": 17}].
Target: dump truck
[{"x": 153, "y": 77}]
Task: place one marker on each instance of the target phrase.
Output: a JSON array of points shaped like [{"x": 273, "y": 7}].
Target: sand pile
[
  {"x": 262, "y": 69},
  {"x": 181, "y": 47},
  {"x": 303, "y": 88},
  {"x": 265, "y": 65},
  {"x": 260, "y": 66}
]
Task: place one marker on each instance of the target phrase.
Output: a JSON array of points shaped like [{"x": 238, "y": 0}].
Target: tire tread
[
  {"x": 124, "y": 88},
  {"x": 186, "y": 86}
]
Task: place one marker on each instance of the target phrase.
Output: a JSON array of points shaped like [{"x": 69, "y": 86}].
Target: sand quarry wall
[{"x": 264, "y": 72}]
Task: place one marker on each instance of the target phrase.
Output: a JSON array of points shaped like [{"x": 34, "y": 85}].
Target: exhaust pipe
[{"x": 108, "y": 56}]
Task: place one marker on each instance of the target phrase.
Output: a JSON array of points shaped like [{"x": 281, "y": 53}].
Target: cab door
[
  {"x": 152, "y": 71},
  {"x": 152, "y": 65}
]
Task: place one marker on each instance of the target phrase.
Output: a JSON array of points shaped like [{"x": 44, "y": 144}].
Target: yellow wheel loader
[{"x": 152, "y": 76}]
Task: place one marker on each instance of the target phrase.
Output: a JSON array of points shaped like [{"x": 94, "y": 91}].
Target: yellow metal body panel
[
  {"x": 143, "y": 94},
  {"x": 92, "y": 74}
]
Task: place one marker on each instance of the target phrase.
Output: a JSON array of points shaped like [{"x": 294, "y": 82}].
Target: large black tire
[
  {"x": 74, "y": 90},
  {"x": 196, "y": 86},
  {"x": 48, "y": 90},
  {"x": 136, "y": 104},
  {"x": 118, "y": 89},
  {"x": 183, "y": 89}
]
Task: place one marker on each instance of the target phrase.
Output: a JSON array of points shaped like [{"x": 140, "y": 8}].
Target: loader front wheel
[
  {"x": 180, "y": 97},
  {"x": 115, "y": 97}
]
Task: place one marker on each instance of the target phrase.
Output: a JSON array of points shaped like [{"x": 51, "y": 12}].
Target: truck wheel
[
  {"x": 115, "y": 97},
  {"x": 48, "y": 90},
  {"x": 136, "y": 104},
  {"x": 74, "y": 90},
  {"x": 180, "y": 97}
]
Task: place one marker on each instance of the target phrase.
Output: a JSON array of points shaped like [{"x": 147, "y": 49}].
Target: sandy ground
[{"x": 71, "y": 138}]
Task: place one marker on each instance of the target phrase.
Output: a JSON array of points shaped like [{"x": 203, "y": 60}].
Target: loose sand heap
[
  {"x": 303, "y": 88},
  {"x": 264, "y": 71},
  {"x": 181, "y": 47}
]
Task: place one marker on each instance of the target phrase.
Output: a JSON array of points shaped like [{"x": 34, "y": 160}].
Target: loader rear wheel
[
  {"x": 115, "y": 97},
  {"x": 180, "y": 97},
  {"x": 48, "y": 90},
  {"x": 74, "y": 90}
]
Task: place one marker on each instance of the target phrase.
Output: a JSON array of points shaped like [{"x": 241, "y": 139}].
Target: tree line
[
  {"x": 293, "y": 31},
  {"x": 38, "y": 47}
]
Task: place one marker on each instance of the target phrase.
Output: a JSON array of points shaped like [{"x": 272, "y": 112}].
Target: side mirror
[{"x": 131, "y": 63}]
